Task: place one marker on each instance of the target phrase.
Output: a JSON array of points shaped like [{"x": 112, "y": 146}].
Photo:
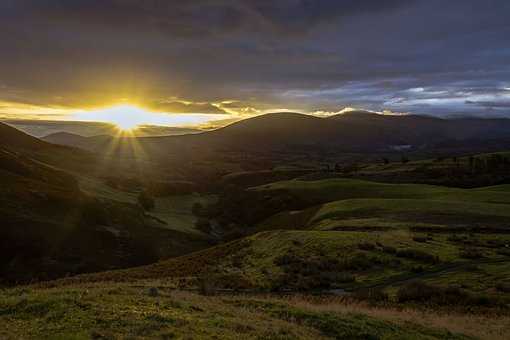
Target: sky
[{"x": 191, "y": 62}]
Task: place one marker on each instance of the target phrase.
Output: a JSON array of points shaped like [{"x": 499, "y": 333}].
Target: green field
[
  {"x": 170, "y": 212},
  {"x": 175, "y": 211},
  {"x": 338, "y": 189},
  {"x": 354, "y": 203}
]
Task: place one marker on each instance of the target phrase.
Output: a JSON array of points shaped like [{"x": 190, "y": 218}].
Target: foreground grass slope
[{"x": 143, "y": 311}]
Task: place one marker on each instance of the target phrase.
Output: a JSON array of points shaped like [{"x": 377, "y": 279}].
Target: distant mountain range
[
  {"x": 41, "y": 128},
  {"x": 349, "y": 132}
]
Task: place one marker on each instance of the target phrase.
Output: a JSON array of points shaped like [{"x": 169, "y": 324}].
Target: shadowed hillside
[{"x": 51, "y": 228}]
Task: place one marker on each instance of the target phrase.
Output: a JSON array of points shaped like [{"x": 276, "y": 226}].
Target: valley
[{"x": 329, "y": 238}]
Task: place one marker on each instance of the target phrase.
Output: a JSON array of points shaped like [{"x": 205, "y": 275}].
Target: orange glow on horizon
[{"x": 129, "y": 117}]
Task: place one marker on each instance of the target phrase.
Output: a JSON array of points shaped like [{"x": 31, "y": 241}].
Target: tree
[
  {"x": 203, "y": 224},
  {"x": 197, "y": 209},
  {"x": 146, "y": 201}
]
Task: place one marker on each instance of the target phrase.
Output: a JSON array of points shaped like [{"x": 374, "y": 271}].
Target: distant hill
[
  {"x": 13, "y": 138},
  {"x": 293, "y": 132},
  {"x": 78, "y": 141},
  {"x": 416, "y": 130},
  {"x": 41, "y": 128},
  {"x": 350, "y": 132}
]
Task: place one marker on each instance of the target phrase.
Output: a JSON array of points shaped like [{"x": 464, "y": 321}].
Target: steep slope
[
  {"x": 13, "y": 138},
  {"x": 49, "y": 228},
  {"x": 59, "y": 156}
]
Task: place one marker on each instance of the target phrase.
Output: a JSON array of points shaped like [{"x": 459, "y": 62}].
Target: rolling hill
[
  {"x": 70, "y": 139},
  {"x": 349, "y": 132}
]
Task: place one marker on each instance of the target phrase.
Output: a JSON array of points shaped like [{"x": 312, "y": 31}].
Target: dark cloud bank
[{"x": 435, "y": 57}]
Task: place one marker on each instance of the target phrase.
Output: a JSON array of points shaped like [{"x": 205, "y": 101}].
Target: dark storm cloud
[
  {"x": 491, "y": 105},
  {"x": 436, "y": 57}
]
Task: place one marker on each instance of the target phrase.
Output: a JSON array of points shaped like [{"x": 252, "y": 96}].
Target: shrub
[
  {"x": 503, "y": 287},
  {"x": 504, "y": 252},
  {"x": 153, "y": 292},
  {"x": 358, "y": 262},
  {"x": 443, "y": 296},
  {"x": 344, "y": 278},
  {"x": 146, "y": 201},
  {"x": 203, "y": 225},
  {"x": 417, "y": 269},
  {"x": 287, "y": 259},
  {"x": 471, "y": 253},
  {"x": 454, "y": 238},
  {"x": 389, "y": 249},
  {"x": 374, "y": 295},
  {"x": 94, "y": 213},
  {"x": 415, "y": 291},
  {"x": 420, "y": 239},
  {"x": 234, "y": 234},
  {"x": 197, "y": 209},
  {"x": 205, "y": 286},
  {"x": 366, "y": 246},
  {"x": 297, "y": 243},
  {"x": 317, "y": 272},
  {"x": 418, "y": 255}
]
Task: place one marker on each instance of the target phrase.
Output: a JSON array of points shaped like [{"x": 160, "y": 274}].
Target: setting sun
[
  {"x": 129, "y": 117},
  {"x": 124, "y": 117}
]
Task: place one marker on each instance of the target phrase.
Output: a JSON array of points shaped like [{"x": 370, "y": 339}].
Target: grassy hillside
[
  {"x": 324, "y": 260},
  {"x": 337, "y": 189},
  {"x": 441, "y": 169},
  {"x": 13, "y": 140},
  {"x": 144, "y": 311},
  {"x": 348, "y": 202}
]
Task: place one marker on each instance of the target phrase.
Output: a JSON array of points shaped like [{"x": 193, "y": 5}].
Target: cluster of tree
[
  {"x": 347, "y": 168},
  {"x": 488, "y": 164},
  {"x": 229, "y": 227}
]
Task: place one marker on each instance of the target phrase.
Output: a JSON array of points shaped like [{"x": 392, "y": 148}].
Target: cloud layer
[{"x": 249, "y": 56}]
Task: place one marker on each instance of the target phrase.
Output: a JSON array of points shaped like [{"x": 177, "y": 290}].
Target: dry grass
[{"x": 483, "y": 326}]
